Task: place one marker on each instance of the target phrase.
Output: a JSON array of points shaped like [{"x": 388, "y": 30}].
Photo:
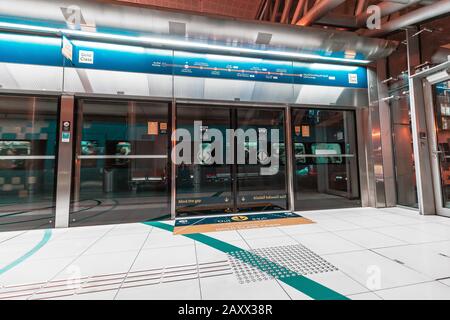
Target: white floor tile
[
  {"x": 207, "y": 254},
  {"x": 422, "y": 291},
  {"x": 34, "y": 271},
  {"x": 102, "y": 295},
  {"x": 63, "y": 248},
  {"x": 179, "y": 290},
  {"x": 302, "y": 229},
  {"x": 367, "y": 222},
  {"x": 256, "y": 233},
  {"x": 270, "y": 242},
  {"x": 437, "y": 229},
  {"x": 364, "y": 296},
  {"x": 116, "y": 243},
  {"x": 374, "y": 271},
  {"x": 165, "y": 257},
  {"x": 333, "y": 224},
  {"x": 231, "y": 235},
  {"x": 98, "y": 264},
  {"x": 407, "y": 234},
  {"x": 339, "y": 282},
  {"x": 166, "y": 239},
  {"x": 445, "y": 281},
  {"x": 399, "y": 219},
  {"x": 227, "y": 287},
  {"x": 369, "y": 239},
  {"x": 442, "y": 247},
  {"x": 130, "y": 228},
  {"x": 324, "y": 243},
  {"x": 420, "y": 259}
]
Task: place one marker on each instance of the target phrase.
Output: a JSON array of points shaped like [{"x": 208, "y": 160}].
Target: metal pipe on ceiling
[
  {"x": 411, "y": 18},
  {"x": 233, "y": 33},
  {"x": 386, "y": 8},
  {"x": 319, "y": 10}
]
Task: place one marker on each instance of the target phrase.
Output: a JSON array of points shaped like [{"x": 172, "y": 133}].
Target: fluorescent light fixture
[{"x": 180, "y": 44}]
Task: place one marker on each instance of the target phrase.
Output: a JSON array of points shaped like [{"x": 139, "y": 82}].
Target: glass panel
[
  {"x": 405, "y": 175},
  {"x": 122, "y": 168},
  {"x": 27, "y": 162},
  {"x": 442, "y": 115},
  {"x": 325, "y": 164},
  {"x": 204, "y": 187},
  {"x": 261, "y": 183}
]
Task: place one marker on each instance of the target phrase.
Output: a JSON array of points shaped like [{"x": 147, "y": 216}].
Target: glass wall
[
  {"x": 246, "y": 172},
  {"x": 325, "y": 164},
  {"x": 442, "y": 116},
  {"x": 28, "y": 127},
  {"x": 405, "y": 175},
  {"x": 403, "y": 154},
  {"x": 121, "y": 162}
]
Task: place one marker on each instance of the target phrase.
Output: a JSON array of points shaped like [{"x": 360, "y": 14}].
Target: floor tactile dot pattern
[{"x": 277, "y": 263}]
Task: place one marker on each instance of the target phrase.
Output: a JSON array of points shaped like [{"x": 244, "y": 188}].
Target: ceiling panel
[{"x": 235, "y": 8}]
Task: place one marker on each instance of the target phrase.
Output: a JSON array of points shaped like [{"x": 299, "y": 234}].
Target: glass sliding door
[
  {"x": 261, "y": 183},
  {"x": 28, "y": 131},
  {"x": 122, "y": 165},
  {"x": 204, "y": 186},
  {"x": 325, "y": 163},
  {"x": 245, "y": 172}
]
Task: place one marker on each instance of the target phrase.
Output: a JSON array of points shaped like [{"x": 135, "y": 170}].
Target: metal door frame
[
  {"x": 236, "y": 105},
  {"x": 357, "y": 117},
  {"x": 432, "y": 134}
]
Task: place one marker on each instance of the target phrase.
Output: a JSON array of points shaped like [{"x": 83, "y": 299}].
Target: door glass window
[
  {"x": 122, "y": 166},
  {"x": 244, "y": 172},
  {"x": 28, "y": 127},
  {"x": 325, "y": 159}
]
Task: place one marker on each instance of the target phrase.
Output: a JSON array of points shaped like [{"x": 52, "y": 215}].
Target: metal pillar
[
  {"x": 425, "y": 191},
  {"x": 289, "y": 159},
  {"x": 65, "y": 151},
  {"x": 386, "y": 136}
]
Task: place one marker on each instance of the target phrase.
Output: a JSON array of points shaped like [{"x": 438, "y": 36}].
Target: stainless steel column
[
  {"x": 425, "y": 190},
  {"x": 173, "y": 167},
  {"x": 375, "y": 142},
  {"x": 289, "y": 159},
  {"x": 365, "y": 160},
  {"x": 64, "y": 167},
  {"x": 386, "y": 136}
]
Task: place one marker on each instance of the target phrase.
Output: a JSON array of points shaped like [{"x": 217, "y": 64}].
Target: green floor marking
[
  {"x": 36, "y": 248},
  {"x": 303, "y": 284}
]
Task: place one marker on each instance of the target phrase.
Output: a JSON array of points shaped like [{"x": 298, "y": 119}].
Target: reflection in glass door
[
  {"x": 121, "y": 166},
  {"x": 325, "y": 163},
  {"x": 28, "y": 127},
  {"x": 442, "y": 147},
  {"x": 204, "y": 186},
  {"x": 251, "y": 175},
  {"x": 261, "y": 185}
]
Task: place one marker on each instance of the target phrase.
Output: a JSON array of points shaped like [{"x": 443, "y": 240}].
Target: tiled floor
[{"x": 380, "y": 254}]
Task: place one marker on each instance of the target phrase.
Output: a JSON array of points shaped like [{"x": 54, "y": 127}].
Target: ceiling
[
  {"x": 348, "y": 15},
  {"x": 245, "y": 9}
]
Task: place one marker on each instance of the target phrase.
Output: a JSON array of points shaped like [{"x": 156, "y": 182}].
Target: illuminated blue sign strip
[{"x": 104, "y": 56}]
